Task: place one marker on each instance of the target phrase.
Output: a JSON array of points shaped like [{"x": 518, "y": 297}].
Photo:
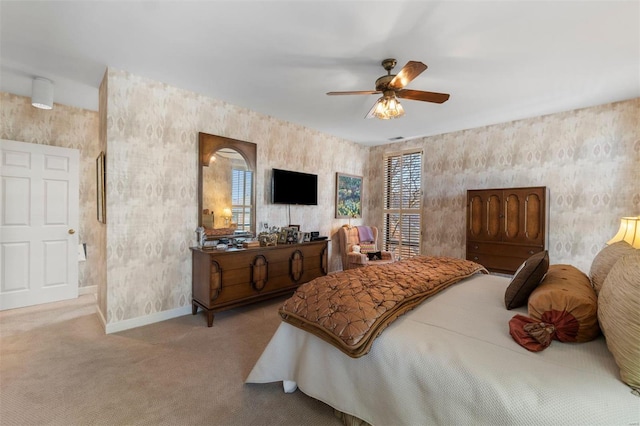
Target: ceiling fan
[{"x": 392, "y": 87}]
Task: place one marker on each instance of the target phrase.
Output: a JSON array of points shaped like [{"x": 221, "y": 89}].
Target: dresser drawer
[
  {"x": 503, "y": 249},
  {"x": 495, "y": 263}
]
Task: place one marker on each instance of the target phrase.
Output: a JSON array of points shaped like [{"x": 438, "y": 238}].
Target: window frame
[
  {"x": 242, "y": 213},
  {"x": 404, "y": 202}
]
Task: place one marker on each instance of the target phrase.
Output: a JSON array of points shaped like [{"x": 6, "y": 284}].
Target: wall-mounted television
[{"x": 289, "y": 187}]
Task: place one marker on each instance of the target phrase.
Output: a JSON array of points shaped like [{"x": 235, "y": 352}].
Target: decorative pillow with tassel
[
  {"x": 566, "y": 299},
  {"x": 531, "y": 334},
  {"x": 563, "y": 307}
]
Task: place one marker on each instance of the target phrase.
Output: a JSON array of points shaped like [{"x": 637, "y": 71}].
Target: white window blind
[
  {"x": 241, "y": 184},
  {"x": 402, "y": 232}
]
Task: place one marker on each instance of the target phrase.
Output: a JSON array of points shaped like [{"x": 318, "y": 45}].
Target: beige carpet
[{"x": 57, "y": 367}]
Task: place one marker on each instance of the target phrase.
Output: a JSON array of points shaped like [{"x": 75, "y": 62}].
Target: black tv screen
[{"x": 288, "y": 187}]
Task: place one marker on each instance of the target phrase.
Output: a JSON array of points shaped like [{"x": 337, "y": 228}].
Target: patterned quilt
[{"x": 350, "y": 309}]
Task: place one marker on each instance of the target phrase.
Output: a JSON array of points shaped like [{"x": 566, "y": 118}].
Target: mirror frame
[{"x": 209, "y": 144}]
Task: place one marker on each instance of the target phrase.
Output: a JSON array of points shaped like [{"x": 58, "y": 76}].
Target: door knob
[{"x": 72, "y": 231}]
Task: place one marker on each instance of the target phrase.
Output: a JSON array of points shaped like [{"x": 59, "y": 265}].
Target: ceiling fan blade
[
  {"x": 406, "y": 74},
  {"x": 357, "y": 92},
  {"x": 419, "y": 95}
]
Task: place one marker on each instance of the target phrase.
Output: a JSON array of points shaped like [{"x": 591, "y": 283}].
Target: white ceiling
[{"x": 499, "y": 60}]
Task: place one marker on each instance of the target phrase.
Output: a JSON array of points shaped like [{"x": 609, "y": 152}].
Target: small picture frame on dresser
[
  {"x": 304, "y": 237},
  {"x": 291, "y": 235},
  {"x": 282, "y": 236}
]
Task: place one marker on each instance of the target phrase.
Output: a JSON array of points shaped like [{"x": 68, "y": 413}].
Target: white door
[{"x": 39, "y": 205}]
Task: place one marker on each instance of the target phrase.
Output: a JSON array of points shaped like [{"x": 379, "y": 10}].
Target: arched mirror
[{"x": 226, "y": 185}]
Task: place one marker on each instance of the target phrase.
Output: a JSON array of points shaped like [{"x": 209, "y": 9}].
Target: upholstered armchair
[{"x": 359, "y": 256}]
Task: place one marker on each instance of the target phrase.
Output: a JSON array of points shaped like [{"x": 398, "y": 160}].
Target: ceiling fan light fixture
[{"x": 388, "y": 107}]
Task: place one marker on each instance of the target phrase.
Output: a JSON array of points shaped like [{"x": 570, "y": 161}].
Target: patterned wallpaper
[
  {"x": 152, "y": 139},
  {"x": 67, "y": 127},
  {"x": 588, "y": 158}
]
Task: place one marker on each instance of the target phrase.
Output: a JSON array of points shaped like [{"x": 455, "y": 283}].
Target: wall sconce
[
  {"x": 42, "y": 93},
  {"x": 629, "y": 231},
  {"x": 226, "y": 214}
]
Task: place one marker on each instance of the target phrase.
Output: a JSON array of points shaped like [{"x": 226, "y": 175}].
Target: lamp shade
[
  {"x": 226, "y": 212},
  {"x": 629, "y": 231},
  {"x": 42, "y": 93}
]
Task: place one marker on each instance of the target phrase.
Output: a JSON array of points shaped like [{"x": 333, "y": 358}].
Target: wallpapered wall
[
  {"x": 152, "y": 139},
  {"x": 67, "y": 127},
  {"x": 588, "y": 158}
]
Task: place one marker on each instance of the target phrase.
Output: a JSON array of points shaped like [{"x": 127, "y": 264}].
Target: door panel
[
  {"x": 15, "y": 278},
  {"x": 15, "y": 202},
  {"x": 533, "y": 219},
  {"x": 485, "y": 219},
  {"x": 493, "y": 217},
  {"x": 474, "y": 230},
  {"x": 40, "y": 202},
  {"x": 525, "y": 217},
  {"x": 512, "y": 223}
]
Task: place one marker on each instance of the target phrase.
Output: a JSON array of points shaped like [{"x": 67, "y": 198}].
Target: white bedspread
[{"x": 452, "y": 361}]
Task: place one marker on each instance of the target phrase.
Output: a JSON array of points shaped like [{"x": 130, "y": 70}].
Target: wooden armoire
[{"x": 506, "y": 226}]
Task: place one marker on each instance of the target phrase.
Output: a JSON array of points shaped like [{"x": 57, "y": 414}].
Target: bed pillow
[
  {"x": 620, "y": 318},
  {"x": 566, "y": 299},
  {"x": 604, "y": 261},
  {"x": 367, "y": 247},
  {"x": 526, "y": 278}
]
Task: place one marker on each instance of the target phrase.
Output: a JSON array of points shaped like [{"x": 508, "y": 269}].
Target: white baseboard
[
  {"x": 90, "y": 289},
  {"x": 147, "y": 319}
]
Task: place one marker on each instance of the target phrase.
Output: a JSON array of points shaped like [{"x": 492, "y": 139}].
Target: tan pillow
[
  {"x": 566, "y": 299},
  {"x": 526, "y": 278},
  {"x": 604, "y": 261},
  {"x": 619, "y": 315}
]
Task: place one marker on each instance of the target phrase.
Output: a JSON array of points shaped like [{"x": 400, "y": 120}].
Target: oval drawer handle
[
  {"x": 475, "y": 247},
  {"x": 475, "y": 258},
  {"x": 531, "y": 252}
]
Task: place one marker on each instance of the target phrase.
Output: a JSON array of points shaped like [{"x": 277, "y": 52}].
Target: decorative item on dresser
[
  {"x": 506, "y": 226},
  {"x": 225, "y": 279}
]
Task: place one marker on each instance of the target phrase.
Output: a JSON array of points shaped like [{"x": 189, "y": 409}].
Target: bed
[{"x": 451, "y": 360}]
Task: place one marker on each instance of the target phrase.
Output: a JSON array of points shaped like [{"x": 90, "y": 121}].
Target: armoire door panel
[
  {"x": 475, "y": 217},
  {"x": 533, "y": 217},
  {"x": 493, "y": 217},
  {"x": 512, "y": 220}
]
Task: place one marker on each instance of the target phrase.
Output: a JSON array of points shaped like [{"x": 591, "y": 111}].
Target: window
[
  {"x": 402, "y": 231},
  {"x": 241, "y": 184}
]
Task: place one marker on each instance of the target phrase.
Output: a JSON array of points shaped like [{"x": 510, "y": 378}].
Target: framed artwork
[
  {"x": 100, "y": 188},
  {"x": 296, "y": 227},
  {"x": 348, "y": 196}
]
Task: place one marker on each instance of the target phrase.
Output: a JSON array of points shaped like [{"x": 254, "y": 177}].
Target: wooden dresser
[
  {"x": 506, "y": 226},
  {"x": 224, "y": 279}
]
